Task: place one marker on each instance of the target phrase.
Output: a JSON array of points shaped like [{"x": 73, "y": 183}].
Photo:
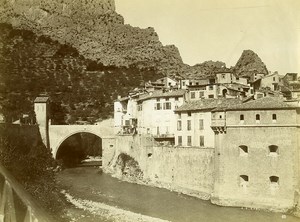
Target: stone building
[
  {"x": 155, "y": 113},
  {"x": 257, "y": 154},
  {"x": 194, "y": 121},
  {"x": 271, "y": 81}
]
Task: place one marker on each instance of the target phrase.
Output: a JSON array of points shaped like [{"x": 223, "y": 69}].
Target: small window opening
[
  {"x": 257, "y": 117},
  {"x": 274, "y": 117},
  {"x": 241, "y": 117},
  {"x": 220, "y": 116},
  {"x": 149, "y": 155},
  {"x": 274, "y": 179},
  {"x": 273, "y": 150},
  {"x": 244, "y": 180},
  {"x": 111, "y": 145},
  {"x": 189, "y": 113},
  {"x": 243, "y": 150},
  {"x": 274, "y": 182}
]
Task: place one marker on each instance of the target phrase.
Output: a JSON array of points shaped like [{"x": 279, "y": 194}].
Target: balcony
[
  {"x": 161, "y": 136},
  {"x": 218, "y": 125},
  {"x": 218, "y": 122}
]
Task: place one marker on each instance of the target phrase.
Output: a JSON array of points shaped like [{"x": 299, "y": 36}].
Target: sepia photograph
[{"x": 149, "y": 110}]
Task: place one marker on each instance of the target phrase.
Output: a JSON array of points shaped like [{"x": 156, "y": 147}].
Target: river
[{"x": 100, "y": 197}]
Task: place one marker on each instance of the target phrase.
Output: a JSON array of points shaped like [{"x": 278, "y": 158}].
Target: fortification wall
[{"x": 168, "y": 167}]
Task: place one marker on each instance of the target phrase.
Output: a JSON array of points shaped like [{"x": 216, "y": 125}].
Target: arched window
[
  {"x": 241, "y": 117},
  {"x": 257, "y": 117}
]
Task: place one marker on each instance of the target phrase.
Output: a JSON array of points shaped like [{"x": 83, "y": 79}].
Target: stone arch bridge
[{"x": 59, "y": 133}]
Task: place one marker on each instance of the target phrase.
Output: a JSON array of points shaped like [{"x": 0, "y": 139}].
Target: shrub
[{"x": 33, "y": 168}]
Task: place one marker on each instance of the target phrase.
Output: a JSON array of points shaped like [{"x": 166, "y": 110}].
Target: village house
[
  {"x": 194, "y": 121},
  {"x": 205, "y": 91},
  {"x": 271, "y": 81},
  {"x": 155, "y": 113},
  {"x": 257, "y": 154}
]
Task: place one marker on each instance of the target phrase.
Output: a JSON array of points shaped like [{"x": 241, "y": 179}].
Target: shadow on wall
[{"x": 128, "y": 167}]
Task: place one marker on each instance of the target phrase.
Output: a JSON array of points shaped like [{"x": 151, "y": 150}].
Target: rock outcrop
[
  {"x": 250, "y": 63},
  {"x": 95, "y": 29}
]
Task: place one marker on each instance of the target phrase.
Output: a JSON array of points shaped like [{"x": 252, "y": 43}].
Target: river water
[{"x": 101, "y": 197}]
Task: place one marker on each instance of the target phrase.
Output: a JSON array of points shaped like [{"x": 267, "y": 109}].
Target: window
[
  {"x": 243, "y": 150},
  {"x": 211, "y": 96},
  {"x": 223, "y": 76},
  {"x": 157, "y": 106},
  {"x": 237, "y": 78},
  {"x": 201, "y": 141},
  {"x": 274, "y": 179},
  {"x": 273, "y": 150},
  {"x": 157, "y": 99},
  {"x": 220, "y": 117},
  {"x": 189, "y": 127},
  {"x": 189, "y": 114},
  {"x": 257, "y": 117},
  {"x": 127, "y": 122},
  {"x": 183, "y": 83},
  {"x": 167, "y": 105},
  {"x": 274, "y": 118},
  {"x": 273, "y": 79},
  {"x": 157, "y": 130},
  {"x": 192, "y": 95},
  {"x": 244, "y": 180},
  {"x": 201, "y": 126},
  {"x": 242, "y": 118},
  {"x": 179, "y": 115},
  {"x": 201, "y": 94},
  {"x": 189, "y": 140},
  {"x": 211, "y": 87},
  {"x": 179, "y": 125},
  {"x": 176, "y": 98},
  {"x": 179, "y": 140},
  {"x": 274, "y": 182},
  {"x": 140, "y": 107},
  {"x": 167, "y": 99}
]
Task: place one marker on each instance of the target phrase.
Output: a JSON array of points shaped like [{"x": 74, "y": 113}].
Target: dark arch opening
[
  {"x": 224, "y": 92},
  {"x": 79, "y": 148}
]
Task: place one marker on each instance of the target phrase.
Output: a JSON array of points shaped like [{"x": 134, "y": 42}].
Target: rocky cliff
[
  {"x": 81, "y": 88},
  {"x": 250, "y": 63},
  {"x": 95, "y": 29}
]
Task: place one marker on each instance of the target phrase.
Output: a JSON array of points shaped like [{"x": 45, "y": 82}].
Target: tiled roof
[
  {"x": 263, "y": 103},
  {"x": 160, "y": 94},
  {"x": 207, "y": 104},
  {"x": 41, "y": 99}
]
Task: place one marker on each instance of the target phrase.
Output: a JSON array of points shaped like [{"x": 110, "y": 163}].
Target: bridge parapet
[
  {"x": 16, "y": 202},
  {"x": 59, "y": 133}
]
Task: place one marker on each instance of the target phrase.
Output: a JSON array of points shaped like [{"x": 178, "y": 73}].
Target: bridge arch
[
  {"x": 59, "y": 133},
  {"x": 55, "y": 152}
]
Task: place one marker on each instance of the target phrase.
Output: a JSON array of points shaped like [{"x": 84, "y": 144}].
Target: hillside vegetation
[{"x": 80, "y": 88}]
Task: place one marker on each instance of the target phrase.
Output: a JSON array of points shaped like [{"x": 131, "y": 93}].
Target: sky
[{"x": 220, "y": 30}]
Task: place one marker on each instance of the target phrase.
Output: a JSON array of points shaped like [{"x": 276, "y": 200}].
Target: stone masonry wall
[{"x": 187, "y": 170}]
